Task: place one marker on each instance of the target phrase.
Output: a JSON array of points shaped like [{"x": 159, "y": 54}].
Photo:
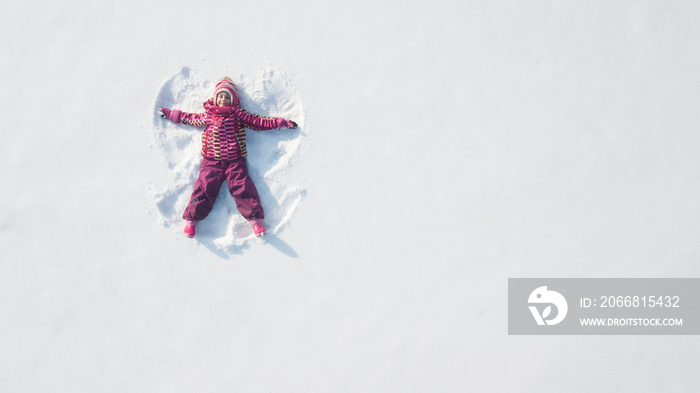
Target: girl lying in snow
[{"x": 224, "y": 153}]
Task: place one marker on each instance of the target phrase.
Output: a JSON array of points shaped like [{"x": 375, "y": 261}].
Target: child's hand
[
  {"x": 292, "y": 124},
  {"x": 163, "y": 112}
]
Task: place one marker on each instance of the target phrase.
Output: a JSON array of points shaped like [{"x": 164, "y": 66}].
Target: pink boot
[
  {"x": 258, "y": 228},
  {"x": 190, "y": 229}
]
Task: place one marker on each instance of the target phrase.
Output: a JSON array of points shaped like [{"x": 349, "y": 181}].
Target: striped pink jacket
[{"x": 224, "y": 136}]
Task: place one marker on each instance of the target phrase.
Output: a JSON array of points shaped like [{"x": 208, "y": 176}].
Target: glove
[
  {"x": 292, "y": 125},
  {"x": 164, "y": 112}
]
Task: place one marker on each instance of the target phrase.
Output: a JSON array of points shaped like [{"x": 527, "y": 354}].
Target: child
[{"x": 224, "y": 153}]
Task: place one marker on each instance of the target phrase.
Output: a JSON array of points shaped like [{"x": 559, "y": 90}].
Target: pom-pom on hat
[{"x": 227, "y": 86}]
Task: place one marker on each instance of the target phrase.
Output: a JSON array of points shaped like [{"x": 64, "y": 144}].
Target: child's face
[{"x": 222, "y": 99}]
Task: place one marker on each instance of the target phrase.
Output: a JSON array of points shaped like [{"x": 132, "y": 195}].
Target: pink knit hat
[{"x": 227, "y": 86}]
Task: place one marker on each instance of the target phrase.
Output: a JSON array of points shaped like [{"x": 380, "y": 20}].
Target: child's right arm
[{"x": 178, "y": 116}]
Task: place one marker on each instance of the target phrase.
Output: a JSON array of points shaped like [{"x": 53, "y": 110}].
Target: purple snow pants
[{"x": 211, "y": 176}]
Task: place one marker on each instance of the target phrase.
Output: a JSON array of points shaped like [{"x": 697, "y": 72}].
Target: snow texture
[{"x": 444, "y": 147}]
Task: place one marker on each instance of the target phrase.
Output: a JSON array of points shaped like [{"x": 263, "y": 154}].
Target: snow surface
[{"x": 444, "y": 147}]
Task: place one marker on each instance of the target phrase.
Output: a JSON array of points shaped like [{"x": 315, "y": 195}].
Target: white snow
[{"x": 444, "y": 147}]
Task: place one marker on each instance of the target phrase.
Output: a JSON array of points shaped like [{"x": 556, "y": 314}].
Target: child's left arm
[{"x": 260, "y": 123}]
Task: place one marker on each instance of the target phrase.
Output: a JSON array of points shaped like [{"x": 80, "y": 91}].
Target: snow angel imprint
[{"x": 224, "y": 155}]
